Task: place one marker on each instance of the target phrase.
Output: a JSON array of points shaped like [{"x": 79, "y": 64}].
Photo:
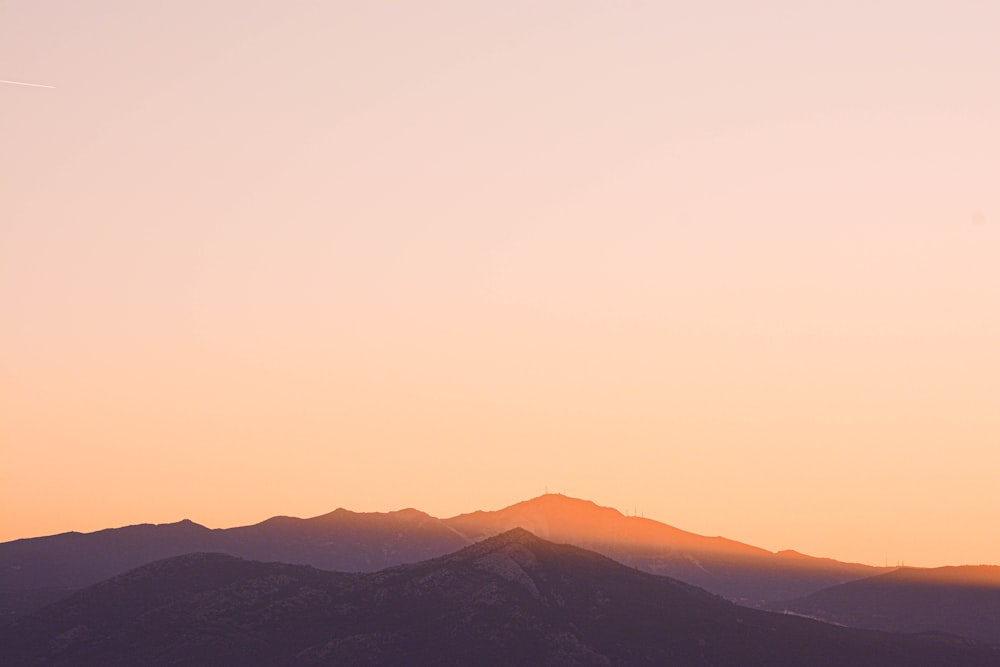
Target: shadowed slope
[
  {"x": 73, "y": 559},
  {"x": 39, "y": 570},
  {"x": 962, "y": 600},
  {"x": 36, "y": 571},
  {"x": 511, "y": 600},
  {"x": 345, "y": 540}
]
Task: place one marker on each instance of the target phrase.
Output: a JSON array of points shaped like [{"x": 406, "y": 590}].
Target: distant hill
[
  {"x": 962, "y": 600},
  {"x": 738, "y": 571},
  {"x": 36, "y": 571},
  {"x": 513, "y": 599}
]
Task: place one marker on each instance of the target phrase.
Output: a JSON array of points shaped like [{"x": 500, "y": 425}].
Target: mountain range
[
  {"x": 36, "y": 571},
  {"x": 512, "y": 599},
  {"x": 964, "y": 601}
]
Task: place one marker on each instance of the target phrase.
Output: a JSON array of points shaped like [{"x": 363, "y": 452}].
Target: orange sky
[{"x": 734, "y": 264}]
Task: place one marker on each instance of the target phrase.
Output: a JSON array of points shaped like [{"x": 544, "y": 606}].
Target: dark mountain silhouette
[
  {"x": 961, "y": 600},
  {"x": 36, "y": 571},
  {"x": 513, "y": 599},
  {"x": 40, "y": 570},
  {"x": 344, "y": 540},
  {"x": 738, "y": 571}
]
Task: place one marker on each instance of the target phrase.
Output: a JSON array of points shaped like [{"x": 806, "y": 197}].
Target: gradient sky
[{"x": 735, "y": 264}]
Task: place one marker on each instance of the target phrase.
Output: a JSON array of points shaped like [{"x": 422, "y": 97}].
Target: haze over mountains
[
  {"x": 38, "y": 570},
  {"x": 738, "y": 571},
  {"x": 963, "y": 600},
  {"x": 513, "y": 599}
]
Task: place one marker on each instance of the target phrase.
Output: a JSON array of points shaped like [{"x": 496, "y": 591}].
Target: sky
[{"x": 733, "y": 265}]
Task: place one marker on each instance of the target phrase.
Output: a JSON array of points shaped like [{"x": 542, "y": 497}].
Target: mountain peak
[
  {"x": 564, "y": 519},
  {"x": 515, "y": 536},
  {"x": 558, "y": 501},
  {"x": 517, "y": 545}
]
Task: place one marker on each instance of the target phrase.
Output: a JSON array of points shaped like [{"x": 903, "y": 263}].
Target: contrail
[{"x": 22, "y": 83}]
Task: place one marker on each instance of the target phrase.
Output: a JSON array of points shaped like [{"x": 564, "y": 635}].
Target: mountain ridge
[
  {"x": 511, "y": 599},
  {"x": 36, "y": 570},
  {"x": 963, "y": 600}
]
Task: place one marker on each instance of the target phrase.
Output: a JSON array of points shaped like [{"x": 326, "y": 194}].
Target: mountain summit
[
  {"x": 561, "y": 518},
  {"x": 735, "y": 570}
]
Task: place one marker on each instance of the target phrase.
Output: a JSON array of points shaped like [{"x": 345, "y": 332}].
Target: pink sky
[{"x": 735, "y": 264}]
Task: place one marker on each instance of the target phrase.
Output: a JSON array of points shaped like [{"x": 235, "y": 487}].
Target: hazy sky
[{"x": 736, "y": 264}]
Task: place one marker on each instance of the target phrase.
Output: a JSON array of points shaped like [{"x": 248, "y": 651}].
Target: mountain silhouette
[
  {"x": 36, "y": 571},
  {"x": 39, "y": 570},
  {"x": 513, "y": 599},
  {"x": 738, "y": 571},
  {"x": 963, "y": 600}
]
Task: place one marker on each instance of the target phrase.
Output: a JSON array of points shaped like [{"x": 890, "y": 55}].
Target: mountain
[
  {"x": 961, "y": 600},
  {"x": 344, "y": 540},
  {"x": 39, "y": 570},
  {"x": 36, "y": 571},
  {"x": 738, "y": 571},
  {"x": 512, "y": 599}
]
